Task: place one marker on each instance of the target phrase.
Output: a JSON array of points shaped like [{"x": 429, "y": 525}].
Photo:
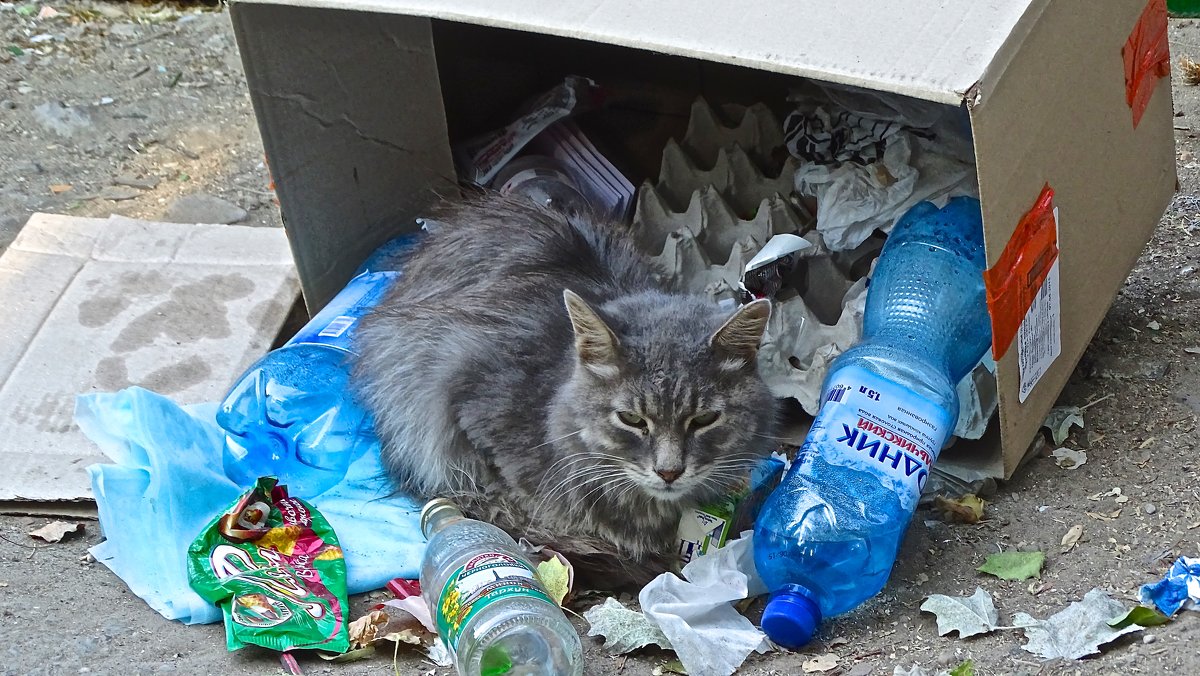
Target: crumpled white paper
[{"x": 709, "y": 635}]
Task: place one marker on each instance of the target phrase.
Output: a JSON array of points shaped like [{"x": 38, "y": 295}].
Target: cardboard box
[
  {"x": 359, "y": 100},
  {"x": 98, "y": 305}
]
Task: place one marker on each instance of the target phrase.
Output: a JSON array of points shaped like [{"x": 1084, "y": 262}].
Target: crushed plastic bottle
[
  {"x": 489, "y": 607},
  {"x": 826, "y": 539},
  {"x": 291, "y": 415}
]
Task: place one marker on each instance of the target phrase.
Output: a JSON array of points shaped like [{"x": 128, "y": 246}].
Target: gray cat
[{"x": 530, "y": 366}]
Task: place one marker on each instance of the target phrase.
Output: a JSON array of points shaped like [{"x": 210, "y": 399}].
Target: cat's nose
[{"x": 669, "y": 475}]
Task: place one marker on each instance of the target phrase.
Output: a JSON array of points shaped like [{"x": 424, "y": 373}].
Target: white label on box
[{"x": 1039, "y": 338}]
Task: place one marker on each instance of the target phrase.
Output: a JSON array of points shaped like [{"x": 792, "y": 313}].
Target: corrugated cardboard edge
[{"x": 959, "y": 71}]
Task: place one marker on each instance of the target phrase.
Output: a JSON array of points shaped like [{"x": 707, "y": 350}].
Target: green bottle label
[{"x": 485, "y": 579}]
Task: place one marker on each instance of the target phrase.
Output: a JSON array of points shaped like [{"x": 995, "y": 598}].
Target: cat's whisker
[
  {"x": 582, "y": 475},
  {"x": 552, "y": 441}
]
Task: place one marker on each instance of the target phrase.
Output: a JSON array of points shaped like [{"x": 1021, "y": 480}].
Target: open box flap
[
  {"x": 928, "y": 49},
  {"x": 1058, "y": 115}
]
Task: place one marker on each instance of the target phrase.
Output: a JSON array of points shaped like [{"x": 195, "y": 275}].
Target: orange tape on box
[
  {"x": 1147, "y": 57},
  {"x": 1013, "y": 282}
]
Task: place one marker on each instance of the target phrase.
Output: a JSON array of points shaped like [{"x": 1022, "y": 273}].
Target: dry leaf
[
  {"x": 350, "y": 656},
  {"x": 56, "y": 531},
  {"x": 1014, "y": 565},
  {"x": 59, "y": 188},
  {"x": 1192, "y": 350},
  {"x": 1060, "y": 420},
  {"x": 1077, "y": 631},
  {"x": 555, "y": 577},
  {"x": 1069, "y": 458},
  {"x": 1104, "y": 517},
  {"x": 968, "y": 615},
  {"x": 1071, "y": 538},
  {"x": 1189, "y": 70},
  {"x": 363, "y": 630},
  {"x": 624, "y": 630},
  {"x": 967, "y": 509},
  {"x": 820, "y": 663}
]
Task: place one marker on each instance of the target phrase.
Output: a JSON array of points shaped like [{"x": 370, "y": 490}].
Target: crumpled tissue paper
[
  {"x": 1179, "y": 589},
  {"x": 709, "y": 635},
  {"x": 166, "y": 483}
]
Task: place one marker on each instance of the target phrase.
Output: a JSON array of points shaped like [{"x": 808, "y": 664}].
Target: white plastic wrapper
[{"x": 696, "y": 612}]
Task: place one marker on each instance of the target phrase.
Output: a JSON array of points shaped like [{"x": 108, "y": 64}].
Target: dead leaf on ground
[
  {"x": 1060, "y": 420},
  {"x": 967, "y": 509},
  {"x": 363, "y": 630},
  {"x": 670, "y": 667},
  {"x": 1071, "y": 538},
  {"x": 1111, "y": 516},
  {"x": 351, "y": 656},
  {"x": 1189, "y": 70},
  {"x": 968, "y": 615},
  {"x": 1014, "y": 565},
  {"x": 1069, "y": 458},
  {"x": 820, "y": 663},
  {"x": 59, "y": 188},
  {"x": 556, "y": 578},
  {"x": 55, "y": 531},
  {"x": 1077, "y": 631},
  {"x": 1192, "y": 350},
  {"x": 624, "y": 630}
]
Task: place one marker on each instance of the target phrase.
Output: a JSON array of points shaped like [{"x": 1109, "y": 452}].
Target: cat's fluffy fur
[{"x": 497, "y": 366}]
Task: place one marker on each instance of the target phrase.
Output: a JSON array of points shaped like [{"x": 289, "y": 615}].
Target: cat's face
[{"x": 667, "y": 398}]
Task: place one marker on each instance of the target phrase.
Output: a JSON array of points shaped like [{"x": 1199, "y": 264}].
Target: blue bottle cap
[{"x": 791, "y": 617}]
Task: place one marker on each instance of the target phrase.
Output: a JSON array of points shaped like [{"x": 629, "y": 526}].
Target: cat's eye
[
  {"x": 703, "y": 419},
  {"x": 632, "y": 419}
]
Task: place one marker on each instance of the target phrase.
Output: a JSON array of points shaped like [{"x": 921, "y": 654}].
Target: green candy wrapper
[{"x": 274, "y": 567}]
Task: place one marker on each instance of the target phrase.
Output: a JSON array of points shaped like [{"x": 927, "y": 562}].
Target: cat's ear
[
  {"x": 595, "y": 343},
  {"x": 740, "y": 335}
]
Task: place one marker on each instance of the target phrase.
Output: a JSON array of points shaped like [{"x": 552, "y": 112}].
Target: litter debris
[
  {"x": 1077, "y": 631},
  {"x": 1068, "y": 458},
  {"x": 820, "y": 663},
  {"x": 624, "y": 630},
  {"x": 1071, "y": 538},
  {"x": 55, "y": 531},
  {"x": 1178, "y": 590},
  {"x": 969, "y": 616},
  {"x": 1115, "y": 494},
  {"x": 1190, "y": 70},
  {"x": 1060, "y": 420},
  {"x": 697, "y": 614},
  {"x": 968, "y": 509},
  {"x": 166, "y": 474},
  {"x": 273, "y": 565},
  {"x": 59, "y": 188},
  {"x": 130, "y": 302},
  {"x": 1014, "y": 565},
  {"x": 670, "y": 667}
]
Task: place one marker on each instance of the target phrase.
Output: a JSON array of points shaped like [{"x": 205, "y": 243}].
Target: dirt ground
[{"x": 158, "y": 110}]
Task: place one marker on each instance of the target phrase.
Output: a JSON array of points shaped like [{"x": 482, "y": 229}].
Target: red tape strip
[
  {"x": 1013, "y": 282},
  {"x": 1147, "y": 57}
]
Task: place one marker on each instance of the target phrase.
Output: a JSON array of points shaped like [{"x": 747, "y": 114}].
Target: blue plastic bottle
[
  {"x": 291, "y": 415},
  {"x": 826, "y": 539}
]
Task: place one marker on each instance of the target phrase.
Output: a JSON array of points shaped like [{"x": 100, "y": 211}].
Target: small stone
[
  {"x": 119, "y": 193},
  {"x": 8, "y": 104},
  {"x": 106, "y": 100},
  {"x": 204, "y": 208},
  {"x": 24, "y": 89},
  {"x": 148, "y": 183},
  {"x": 1149, "y": 508},
  {"x": 1154, "y": 326},
  {"x": 861, "y": 669},
  {"x": 945, "y": 658},
  {"x": 1149, "y": 638}
]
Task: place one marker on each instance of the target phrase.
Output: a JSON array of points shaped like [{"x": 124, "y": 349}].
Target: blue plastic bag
[{"x": 166, "y": 482}]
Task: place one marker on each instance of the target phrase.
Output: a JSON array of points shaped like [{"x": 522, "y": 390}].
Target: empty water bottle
[
  {"x": 826, "y": 539},
  {"x": 489, "y": 607},
  {"x": 291, "y": 415}
]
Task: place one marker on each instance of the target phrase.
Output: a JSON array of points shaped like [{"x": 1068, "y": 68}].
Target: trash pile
[{"x": 268, "y": 508}]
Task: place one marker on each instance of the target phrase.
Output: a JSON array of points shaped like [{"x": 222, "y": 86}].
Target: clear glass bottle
[{"x": 487, "y": 602}]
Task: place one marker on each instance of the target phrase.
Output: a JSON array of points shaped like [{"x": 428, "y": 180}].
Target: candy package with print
[{"x": 274, "y": 567}]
